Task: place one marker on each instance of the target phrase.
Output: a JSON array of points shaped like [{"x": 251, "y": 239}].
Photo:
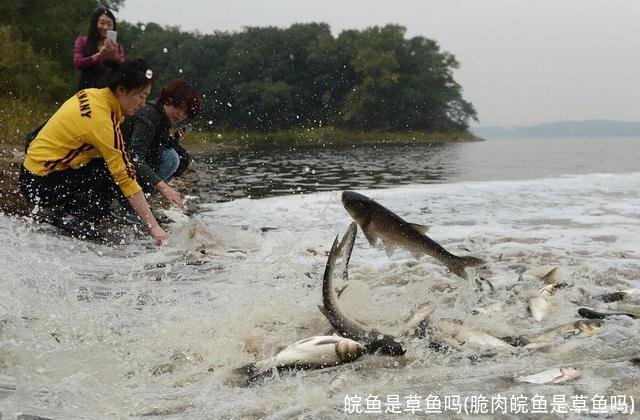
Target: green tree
[{"x": 259, "y": 78}]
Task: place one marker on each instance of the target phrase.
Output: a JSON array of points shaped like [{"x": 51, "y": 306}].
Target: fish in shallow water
[
  {"x": 452, "y": 334},
  {"x": 316, "y": 352},
  {"x": 629, "y": 294},
  {"x": 632, "y": 312},
  {"x": 551, "y": 376},
  {"x": 539, "y": 307},
  {"x": 417, "y": 322},
  {"x": 378, "y": 222},
  {"x": 372, "y": 339},
  {"x": 586, "y": 327}
]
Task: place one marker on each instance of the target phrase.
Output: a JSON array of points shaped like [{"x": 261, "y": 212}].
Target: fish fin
[
  {"x": 324, "y": 311},
  {"x": 552, "y": 276},
  {"x": 370, "y": 235},
  {"x": 416, "y": 254},
  {"x": 389, "y": 248},
  {"x": 423, "y": 229},
  {"x": 335, "y": 247},
  {"x": 339, "y": 291}
]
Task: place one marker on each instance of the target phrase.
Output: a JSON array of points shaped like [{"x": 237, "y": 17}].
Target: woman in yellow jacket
[{"x": 78, "y": 159}]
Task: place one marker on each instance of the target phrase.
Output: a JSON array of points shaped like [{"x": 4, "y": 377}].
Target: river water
[
  {"x": 93, "y": 331},
  {"x": 264, "y": 171}
]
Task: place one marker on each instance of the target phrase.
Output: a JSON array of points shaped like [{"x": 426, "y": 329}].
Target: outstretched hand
[
  {"x": 160, "y": 235},
  {"x": 171, "y": 194}
]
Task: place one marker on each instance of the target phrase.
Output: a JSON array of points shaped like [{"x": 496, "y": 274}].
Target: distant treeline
[
  {"x": 564, "y": 129},
  {"x": 264, "y": 79}
]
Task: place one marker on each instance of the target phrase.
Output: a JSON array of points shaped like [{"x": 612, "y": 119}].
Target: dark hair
[
  {"x": 133, "y": 74},
  {"x": 93, "y": 37},
  {"x": 182, "y": 94}
]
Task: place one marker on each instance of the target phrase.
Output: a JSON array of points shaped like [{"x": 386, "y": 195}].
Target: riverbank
[
  {"x": 198, "y": 142},
  {"x": 326, "y": 135}
]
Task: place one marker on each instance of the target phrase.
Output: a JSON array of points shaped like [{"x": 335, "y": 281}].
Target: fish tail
[{"x": 246, "y": 375}]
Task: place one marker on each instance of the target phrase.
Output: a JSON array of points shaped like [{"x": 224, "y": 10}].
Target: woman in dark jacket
[{"x": 158, "y": 155}]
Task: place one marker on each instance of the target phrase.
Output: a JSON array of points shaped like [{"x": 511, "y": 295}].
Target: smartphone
[{"x": 112, "y": 36}]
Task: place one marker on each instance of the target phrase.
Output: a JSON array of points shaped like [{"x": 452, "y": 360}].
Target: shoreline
[
  {"x": 323, "y": 136},
  {"x": 199, "y": 142}
]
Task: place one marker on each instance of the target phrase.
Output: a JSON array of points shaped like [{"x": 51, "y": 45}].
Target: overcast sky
[{"x": 521, "y": 61}]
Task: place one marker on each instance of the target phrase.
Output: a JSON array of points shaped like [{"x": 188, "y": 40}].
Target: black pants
[{"x": 86, "y": 192}]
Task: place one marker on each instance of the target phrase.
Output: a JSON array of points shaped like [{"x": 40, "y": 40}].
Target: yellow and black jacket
[{"x": 85, "y": 127}]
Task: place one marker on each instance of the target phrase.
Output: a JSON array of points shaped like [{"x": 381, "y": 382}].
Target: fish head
[
  {"x": 361, "y": 208},
  {"x": 569, "y": 373},
  {"x": 349, "y": 350},
  {"x": 589, "y": 326},
  {"x": 470, "y": 261},
  {"x": 387, "y": 344}
]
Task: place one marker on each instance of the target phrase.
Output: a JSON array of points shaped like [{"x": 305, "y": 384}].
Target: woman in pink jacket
[{"x": 91, "y": 52}]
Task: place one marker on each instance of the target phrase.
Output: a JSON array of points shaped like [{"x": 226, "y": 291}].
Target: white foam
[{"x": 112, "y": 316}]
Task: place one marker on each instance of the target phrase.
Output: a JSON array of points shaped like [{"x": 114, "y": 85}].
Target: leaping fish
[
  {"x": 372, "y": 339},
  {"x": 378, "y": 222}
]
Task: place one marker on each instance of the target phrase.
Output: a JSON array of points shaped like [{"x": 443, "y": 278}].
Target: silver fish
[
  {"x": 585, "y": 327},
  {"x": 452, "y": 334},
  {"x": 372, "y": 339},
  {"x": 539, "y": 306},
  {"x": 316, "y": 352},
  {"x": 551, "y": 376},
  {"x": 378, "y": 222}
]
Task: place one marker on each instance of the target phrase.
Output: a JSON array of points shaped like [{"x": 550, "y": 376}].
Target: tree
[{"x": 259, "y": 78}]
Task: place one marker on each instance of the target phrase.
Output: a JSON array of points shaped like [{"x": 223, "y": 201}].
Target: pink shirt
[{"x": 83, "y": 63}]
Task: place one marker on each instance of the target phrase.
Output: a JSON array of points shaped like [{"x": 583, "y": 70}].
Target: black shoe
[{"x": 78, "y": 228}]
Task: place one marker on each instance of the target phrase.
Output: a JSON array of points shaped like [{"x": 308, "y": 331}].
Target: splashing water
[{"x": 91, "y": 330}]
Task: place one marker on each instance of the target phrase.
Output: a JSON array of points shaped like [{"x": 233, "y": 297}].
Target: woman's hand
[
  {"x": 180, "y": 133},
  {"x": 107, "y": 51},
  {"x": 170, "y": 194},
  {"x": 159, "y": 234},
  {"x": 111, "y": 48},
  {"x": 141, "y": 207}
]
